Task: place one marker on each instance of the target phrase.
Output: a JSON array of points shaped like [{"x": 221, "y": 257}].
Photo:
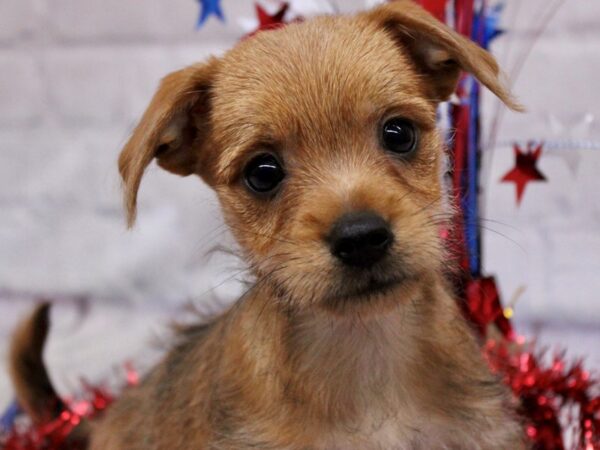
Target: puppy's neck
[
  {"x": 354, "y": 343},
  {"x": 363, "y": 347},
  {"x": 357, "y": 361}
]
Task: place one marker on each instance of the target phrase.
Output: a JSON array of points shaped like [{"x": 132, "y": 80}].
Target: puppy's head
[{"x": 320, "y": 142}]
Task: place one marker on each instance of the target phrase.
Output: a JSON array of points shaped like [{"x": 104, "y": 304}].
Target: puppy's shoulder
[{"x": 155, "y": 414}]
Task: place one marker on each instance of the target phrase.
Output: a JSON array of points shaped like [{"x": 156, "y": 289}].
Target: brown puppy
[{"x": 321, "y": 144}]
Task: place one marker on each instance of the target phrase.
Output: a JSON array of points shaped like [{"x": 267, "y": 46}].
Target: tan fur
[
  {"x": 34, "y": 390},
  {"x": 301, "y": 361}
]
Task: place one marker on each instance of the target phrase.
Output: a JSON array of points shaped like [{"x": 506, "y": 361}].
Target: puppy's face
[
  {"x": 328, "y": 163},
  {"x": 320, "y": 142}
]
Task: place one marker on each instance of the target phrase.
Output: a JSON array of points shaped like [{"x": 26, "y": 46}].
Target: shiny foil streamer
[{"x": 555, "y": 397}]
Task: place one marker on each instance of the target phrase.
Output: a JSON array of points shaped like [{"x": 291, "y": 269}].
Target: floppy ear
[
  {"x": 440, "y": 52},
  {"x": 173, "y": 130}
]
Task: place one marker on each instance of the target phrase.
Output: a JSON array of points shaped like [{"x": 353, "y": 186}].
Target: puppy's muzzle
[{"x": 360, "y": 239}]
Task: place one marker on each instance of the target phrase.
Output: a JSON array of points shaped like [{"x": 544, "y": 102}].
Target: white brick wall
[
  {"x": 19, "y": 19},
  {"x": 76, "y": 74},
  {"x": 21, "y": 92}
]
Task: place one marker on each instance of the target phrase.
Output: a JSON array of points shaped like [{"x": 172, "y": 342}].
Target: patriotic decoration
[
  {"x": 556, "y": 398},
  {"x": 546, "y": 390},
  {"x": 525, "y": 169},
  {"x": 267, "y": 21},
  {"x": 209, "y": 8}
]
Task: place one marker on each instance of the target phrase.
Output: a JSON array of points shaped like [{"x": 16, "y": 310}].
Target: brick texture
[
  {"x": 76, "y": 74},
  {"x": 21, "y": 89},
  {"x": 17, "y": 20}
]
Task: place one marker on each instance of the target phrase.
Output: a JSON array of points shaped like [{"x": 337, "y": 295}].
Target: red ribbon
[{"x": 435, "y": 7}]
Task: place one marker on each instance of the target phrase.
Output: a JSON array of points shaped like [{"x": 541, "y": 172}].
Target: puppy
[{"x": 320, "y": 141}]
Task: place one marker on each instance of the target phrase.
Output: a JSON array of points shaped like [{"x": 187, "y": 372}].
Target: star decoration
[
  {"x": 208, "y": 8},
  {"x": 492, "y": 23},
  {"x": 267, "y": 21},
  {"x": 525, "y": 169},
  {"x": 570, "y": 156},
  {"x": 574, "y": 131}
]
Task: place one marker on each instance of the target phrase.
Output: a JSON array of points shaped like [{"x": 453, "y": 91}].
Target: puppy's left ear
[
  {"x": 439, "y": 52},
  {"x": 174, "y": 130}
]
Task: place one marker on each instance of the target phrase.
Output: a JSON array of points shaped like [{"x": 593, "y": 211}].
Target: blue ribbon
[
  {"x": 485, "y": 28},
  {"x": 471, "y": 206}
]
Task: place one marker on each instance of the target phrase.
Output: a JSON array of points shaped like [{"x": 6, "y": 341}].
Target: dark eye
[
  {"x": 263, "y": 173},
  {"x": 399, "y": 136}
]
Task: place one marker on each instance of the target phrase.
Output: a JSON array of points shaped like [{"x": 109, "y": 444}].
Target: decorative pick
[
  {"x": 208, "y": 8},
  {"x": 525, "y": 169}
]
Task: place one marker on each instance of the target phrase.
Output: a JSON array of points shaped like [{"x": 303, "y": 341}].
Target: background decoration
[
  {"x": 557, "y": 398},
  {"x": 268, "y": 21},
  {"x": 570, "y": 135},
  {"x": 435, "y": 7},
  {"x": 208, "y": 8},
  {"x": 483, "y": 307},
  {"x": 492, "y": 28},
  {"x": 525, "y": 169},
  {"x": 60, "y": 433},
  {"x": 545, "y": 392}
]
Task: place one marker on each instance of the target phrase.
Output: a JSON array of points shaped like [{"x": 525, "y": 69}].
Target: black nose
[{"x": 360, "y": 239}]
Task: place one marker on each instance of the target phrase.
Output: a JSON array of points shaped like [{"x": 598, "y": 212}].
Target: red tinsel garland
[
  {"x": 57, "y": 434},
  {"x": 547, "y": 392}
]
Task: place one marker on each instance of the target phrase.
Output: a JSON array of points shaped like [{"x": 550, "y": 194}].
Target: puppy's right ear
[
  {"x": 440, "y": 53},
  {"x": 174, "y": 129}
]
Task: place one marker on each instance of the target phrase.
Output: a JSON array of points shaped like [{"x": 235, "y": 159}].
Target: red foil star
[
  {"x": 525, "y": 168},
  {"x": 270, "y": 22}
]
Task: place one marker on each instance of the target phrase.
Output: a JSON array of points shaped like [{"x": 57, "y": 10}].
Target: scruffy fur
[{"x": 309, "y": 357}]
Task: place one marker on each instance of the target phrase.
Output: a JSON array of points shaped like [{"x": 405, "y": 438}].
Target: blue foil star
[
  {"x": 208, "y": 7},
  {"x": 492, "y": 22}
]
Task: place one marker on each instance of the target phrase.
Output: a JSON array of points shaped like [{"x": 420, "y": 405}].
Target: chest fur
[
  {"x": 390, "y": 389},
  {"x": 398, "y": 433}
]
